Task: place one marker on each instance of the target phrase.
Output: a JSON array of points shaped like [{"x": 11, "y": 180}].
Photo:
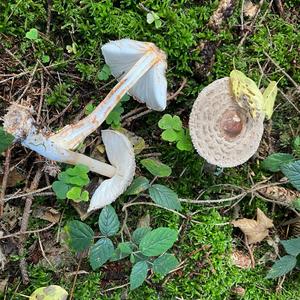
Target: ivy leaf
[
  {"x": 6, "y": 140},
  {"x": 60, "y": 189},
  {"x": 292, "y": 172},
  {"x": 156, "y": 168},
  {"x": 101, "y": 252},
  {"x": 274, "y": 161},
  {"x": 164, "y": 196},
  {"x": 164, "y": 264},
  {"x": 108, "y": 221},
  {"x": 169, "y": 135},
  {"x": 158, "y": 241},
  {"x": 104, "y": 73},
  {"x": 139, "y": 233},
  {"x": 32, "y": 34},
  {"x": 51, "y": 292},
  {"x": 138, "y": 185},
  {"x": 282, "y": 266},
  {"x": 138, "y": 274},
  {"x": 79, "y": 235},
  {"x": 292, "y": 246}
]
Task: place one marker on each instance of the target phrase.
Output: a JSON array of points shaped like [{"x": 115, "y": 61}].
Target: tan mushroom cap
[{"x": 222, "y": 132}]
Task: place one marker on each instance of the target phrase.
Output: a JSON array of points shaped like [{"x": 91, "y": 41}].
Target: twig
[
  {"x": 10, "y": 197},
  {"x": 5, "y": 178},
  {"x": 43, "y": 252},
  {"x": 24, "y": 225},
  {"x": 41, "y": 98},
  {"x": 75, "y": 277},
  {"x": 133, "y": 112},
  {"x": 27, "y": 232},
  {"x": 174, "y": 95},
  {"x": 115, "y": 288},
  {"x": 143, "y": 113},
  {"x": 250, "y": 253},
  {"x": 49, "y": 17}
]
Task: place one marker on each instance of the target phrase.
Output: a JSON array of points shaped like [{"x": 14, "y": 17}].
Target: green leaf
[
  {"x": 139, "y": 233},
  {"x": 101, "y": 252},
  {"x": 85, "y": 196},
  {"x": 296, "y": 145},
  {"x": 78, "y": 170},
  {"x": 32, "y": 34},
  {"x": 137, "y": 256},
  {"x": 123, "y": 250},
  {"x": 292, "y": 246},
  {"x": 169, "y": 135},
  {"x": 125, "y": 247},
  {"x": 74, "y": 193},
  {"x": 104, "y": 73},
  {"x": 138, "y": 274},
  {"x": 158, "y": 241},
  {"x": 164, "y": 196},
  {"x": 269, "y": 96},
  {"x": 79, "y": 180},
  {"x": 79, "y": 235},
  {"x": 60, "y": 189},
  {"x": 164, "y": 264},
  {"x": 150, "y": 18},
  {"x": 292, "y": 172},
  {"x": 169, "y": 122},
  {"x": 45, "y": 59},
  {"x": 108, "y": 221},
  {"x": 274, "y": 162},
  {"x": 156, "y": 168},
  {"x": 64, "y": 177},
  {"x": 282, "y": 266},
  {"x": 89, "y": 108},
  {"x": 6, "y": 140},
  {"x": 296, "y": 204},
  {"x": 184, "y": 141},
  {"x": 51, "y": 292},
  {"x": 157, "y": 23},
  {"x": 125, "y": 98},
  {"x": 138, "y": 185}
]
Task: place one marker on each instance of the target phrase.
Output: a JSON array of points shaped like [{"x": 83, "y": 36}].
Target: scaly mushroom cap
[
  {"x": 120, "y": 154},
  {"x": 222, "y": 132},
  {"x": 151, "y": 88}
]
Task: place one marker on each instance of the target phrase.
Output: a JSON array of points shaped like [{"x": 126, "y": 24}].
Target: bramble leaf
[
  {"x": 292, "y": 246},
  {"x": 138, "y": 185},
  {"x": 138, "y": 274},
  {"x": 108, "y": 221},
  {"x": 274, "y": 161},
  {"x": 292, "y": 172},
  {"x": 282, "y": 266},
  {"x": 139, "y": 233},
  {"x": 156, "y": 167},
  {"x": 164, "y": 264},
  {"x": 101, "y": 252}
]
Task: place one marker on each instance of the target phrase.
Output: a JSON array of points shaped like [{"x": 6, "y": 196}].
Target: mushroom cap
[
  {"x": 120, "y": 154},
  {"x": 151, "y": 88},
  {"x": 221, "y": 131}
]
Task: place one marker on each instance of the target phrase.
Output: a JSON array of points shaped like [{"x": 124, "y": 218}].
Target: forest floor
[{"x": 50, "y": 58}]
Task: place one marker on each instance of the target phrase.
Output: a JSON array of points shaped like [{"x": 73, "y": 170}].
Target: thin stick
[
  {"x": 75, "y": 277},
  {"x": 4, "y": 180},
  {"x": 10, "y": 197},
  {"x": 115, "y": 288},
  {"x": 41, "y": 98},
  {"x": 43, "y": 252}
]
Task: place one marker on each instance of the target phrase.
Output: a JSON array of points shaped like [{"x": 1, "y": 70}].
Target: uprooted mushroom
[
  {"x": 142, "y": 70},
  {"x": 222, "y": 131}
]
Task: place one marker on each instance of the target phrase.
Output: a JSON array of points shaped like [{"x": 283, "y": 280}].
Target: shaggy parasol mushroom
[
  {"x": 19, "y": 122},
  {"x": 140, "y": 68},
  {"x": 221, "y": 131}
]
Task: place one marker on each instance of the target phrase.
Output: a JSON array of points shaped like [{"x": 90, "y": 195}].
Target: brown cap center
[{"x": 231, "y": 123}]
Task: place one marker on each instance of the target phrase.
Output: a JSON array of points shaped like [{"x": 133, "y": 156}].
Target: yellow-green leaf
[
  {"x": 51, "y": 292},
  {"x": 269, "y": 95}
]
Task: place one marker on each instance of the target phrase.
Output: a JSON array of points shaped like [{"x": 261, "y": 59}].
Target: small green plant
[
  {"x": 104, "y": 73},
  {"x": 6, "y": 139},
  {"x": 59, "y": 96},
  {"x": 174, "y": 132},
  {"x": 71, "y": 183},
  {"x": 32, "y": 34},
  {"x": 152, "y": 17},
  {"x": 288, "y": 262},
  {"x": 146, "y": 248}
]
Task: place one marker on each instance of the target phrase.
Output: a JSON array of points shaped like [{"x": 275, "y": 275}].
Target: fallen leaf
[
  {"x": 14, "y": 177},
  {"x": 48, "y": 214},
  {"x": 281, "y": 194},
  {"x": 255, "y": 230},
  {"x": 144, "y": 221},
  {"x": 250, "y": 9},
  {"x": 51, "y": 292},
  {"x": 240, "y": 259}
]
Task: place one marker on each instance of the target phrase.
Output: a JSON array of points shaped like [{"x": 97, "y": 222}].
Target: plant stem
[{"x": 70, "y": 136}]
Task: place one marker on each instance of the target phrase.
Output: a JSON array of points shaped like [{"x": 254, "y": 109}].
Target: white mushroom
[
  {"x": 120, "y": 154},
  {"x": 140, "y": 68}
]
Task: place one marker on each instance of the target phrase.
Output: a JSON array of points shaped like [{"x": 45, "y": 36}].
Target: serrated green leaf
[
  {"x": 292, "y": 172},
  {"x": 101, "y": 252},
  {"x": 60, "y": 189},
  {"x": 282, "y": 266},
  {"x": 104, "y": 73},
  {"x": 164, "y": 264},
  {"x": 158, "y": 241},
  {"x": 32, "y": 34},
  {"x": 108, "y": 221},
  {"x": 136, "y": 257},
  {"x": 138, "y": 185},
  {"x": 138, "y": 274},
  {"x": 6, "y": 140},
  {"x": 156, "y": 168},
  {"x": 292, "y": 246},
  {"x": 164, "y": 196},
  {"x": 274, "y": 161},
  {"x": 139, "y": 233},
  {"x": 51, "y": 292},
  {"x": 74, "y": 193},
  {"x": 125, "y": 247},
  {"x": 169, "y": 135},
  {"x": 79, "y": 235}
]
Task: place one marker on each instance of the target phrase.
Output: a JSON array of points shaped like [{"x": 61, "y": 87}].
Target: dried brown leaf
[
  {"x": 240, "y": 259},
  {"x": 48, "y": 214},
  {"x": 250, "y": 9}
]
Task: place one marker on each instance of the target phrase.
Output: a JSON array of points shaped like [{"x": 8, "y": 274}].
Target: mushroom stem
[{"x": 71, "y": 135}]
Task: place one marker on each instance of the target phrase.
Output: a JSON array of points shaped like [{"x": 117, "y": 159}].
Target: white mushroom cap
[
  {"x": 151, "y": 88},
  {"x": 222, "y": 132},
  {"x": 120, "y": 154}
]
